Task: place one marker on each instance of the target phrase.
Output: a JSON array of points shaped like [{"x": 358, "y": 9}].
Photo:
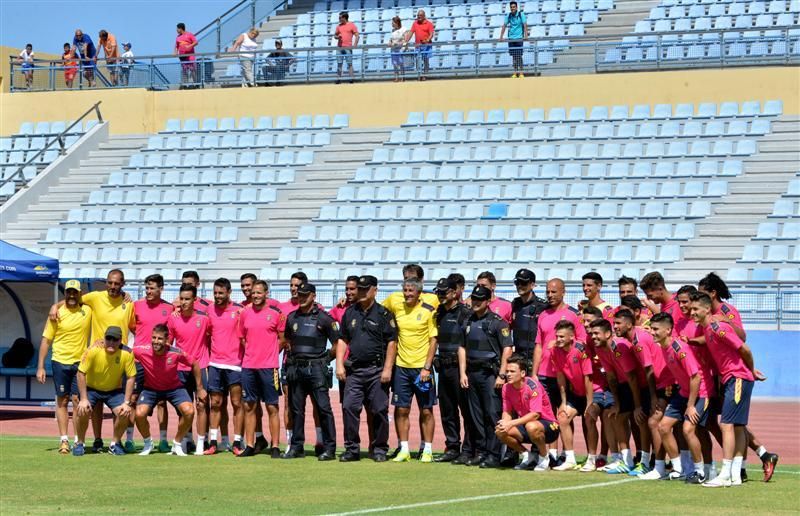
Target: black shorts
[
  {"x": 576, "y": 402},
  {"x": 625, "y": 398},
  {"x": 515, "y": 48},
  {"x": 550, "y": 385}
]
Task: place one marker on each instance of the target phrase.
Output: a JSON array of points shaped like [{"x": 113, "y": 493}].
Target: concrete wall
[
  {"x": 387, "y": 104},
  {"x": 777, "y": 355}
]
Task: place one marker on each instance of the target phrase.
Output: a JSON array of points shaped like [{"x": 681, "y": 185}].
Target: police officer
[
  {"x": 525, "y": 310},
  {"x": 451, "y": 316},
  {"x": 308, "y": 330},
  {"x": 480, "y": 361},
  {"x": 370, "y": 331}
]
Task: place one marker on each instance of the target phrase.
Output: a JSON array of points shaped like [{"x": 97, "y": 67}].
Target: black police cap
[
  {"x": 481, "y": 293},
  {"x": 306, "y": 288},
  {"x": 445, "y": 284},
  {"x": 525, "y": 275},
  {"x": 367, "y": 281}
]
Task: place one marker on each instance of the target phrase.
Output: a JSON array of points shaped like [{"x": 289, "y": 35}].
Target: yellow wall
[
  {"x": 5, "y": 67},
  {"x": 388, "y": 104}
]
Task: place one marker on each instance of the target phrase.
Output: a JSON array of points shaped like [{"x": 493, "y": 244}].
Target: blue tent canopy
[{"x": 17, "y": 264}]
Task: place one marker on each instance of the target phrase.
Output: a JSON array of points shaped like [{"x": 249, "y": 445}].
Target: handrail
[
  {"x": 219, "y": 18},
  {"x": 57, "y": 138}
]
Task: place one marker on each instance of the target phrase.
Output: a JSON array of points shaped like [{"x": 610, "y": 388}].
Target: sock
[
  {"x": 707, "y": 471},
  {"x": 736, "y": 469},
  {"x": 726, "y": 469},
  {"x": 638, "y": 457},
  {"x": 404, "y": 446},
  {"x": 427, "y": 448},
  {"x": 212, "y": 434},
  {"x": 744, "y": 463},
  {"x": 645, "y": 459},
  {"x": 225, "y": 440},
  {"x": 761, "y": 451},
  {"x": 601, "y": 457},
  {"x": 676, "y": 465},
  {"x": 570, "y": 455},
  {"x": 616, "y": 457},
  {"x": 319, "y": 434},
  {"x": 591, "y": 459},
  {"x": 163, "y": 435},
  {"x": 65, "y": 438},
  {"x": 525, "y": 457},
  {"x": 260, "y": 434},
  {"x": 176, "y": 444},
  {"x": 289, "y": 434},
  {"x": 661, "y": 467},
  {"x": 148, "y": 441},
  {"x": 190, "y": 435},
  {"x": 553, "y": 453},
  {"x": 698, "y": 466},
  {"x": 237, "y": 438},
  {"x": 626, "y": 457},
  {"x": 129, "y": 433},
  {"x": 200, "y": 440},
  {"x": 544, "y": 459}
]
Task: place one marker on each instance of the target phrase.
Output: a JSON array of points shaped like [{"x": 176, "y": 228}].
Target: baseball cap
[
  {"x": 481, "y": 293},
  {"x": 114, "y": 332},
  {"x": 367, "y": 281},
  {"x": 128, "y": 45},
  {"x": 422, "y": 386},
  {"x": 445, "y": 284},
  {"x": 73, "y": 284},
  {"x": 525, "y": 276},
  {"x": 306, "y": 288}
]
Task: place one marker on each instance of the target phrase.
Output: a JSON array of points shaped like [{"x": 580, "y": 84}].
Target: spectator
[
  {"x": 247, "y": 46},
  {"x": 126, "y": 63},
  {"x": 517, "y": 27},
  {"x": 26, "y": 60},
  {"x": 397, "y": 42},
  {"x": 108, "y": 44},
  {"x": 278, "y": 63},
  {"x": 423, "y": 30},
  {"x": 83, "y": 47},
  {"x": 70, "y": 65},
  {"x": 184, "y": 48},
  {"x": 346, "y": 35}
]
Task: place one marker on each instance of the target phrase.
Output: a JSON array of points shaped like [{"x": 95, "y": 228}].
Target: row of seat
[
  {"x": 582, "y": 131},
  {"x": 681, "y": 111},
  {"x": 786, "y": 208},
  {"x": 248, "y": 123},
  {"x": 20, "y": 157},
  {"x": 116, "y": 255},
  {"x": 202, "y": 177},
  {"x": 657, "y": 149},
  {"x": 535, "y": 211},
  {"x": 711, "y": 37},
  {"x": 46, "y": 128},
  {"x": 722, "y": 9},
  {"x": 648, "y": 52},
  {"x": 618, "y": 170},
  {"x": 216, "y": 159},
  {"x": 619, "y": 253},
  {"x": 147, "y": 234},
  {"x": 238, "y": 141},
  {"x": 28, "y": 172},
  {"x": 771, "y": 253},
  {"x": 744, "y": 21},
  {"x": 183, "y": 196},
  {"x": 533, "y": 191},
  {"x": 778, "y": 231},
  {"x": 172, "y": 215},
  {"x": 762, "y": 274},
  {"x": 496, "y": 232},
  {"x": 23, "y": 143}
]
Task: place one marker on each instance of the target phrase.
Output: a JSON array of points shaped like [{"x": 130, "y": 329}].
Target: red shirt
[
  {"x": 575, "y": 364},
  {"x": 683, "y": 366},
  {"x": 260, "y": 330},
  {"x": 226, "y": 339},
  {"x": 191, "y": 336},
  {"x": 346, "y": 31},
  {"x": 531, "y": 397},
  {"x": 618, "y": 358},
  {"x": 147, "y": 317},
  {"x": 546, "y": 334},
  {"x": 724, "y": 345},
  {"x": 161, "y": 371},
  {"x": 423, "y": 32},
  {"x": 501, "y": 307},
  {"x": 644, "y": 344}
]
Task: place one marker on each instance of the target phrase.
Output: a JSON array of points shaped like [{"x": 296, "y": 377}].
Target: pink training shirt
[
  {"x": 345, "y": 31},
  {"x": 643, "y": 339},
  {"x": 546, "y": 334},
  {"x": 618, "y": 358},
  {"x": 575, "y": 364},
  {"x": 148, "y": 317},
  {"x": 191, "y": 336},
  {"x": 226, "y": 338},
  {"x": 161, "y": 371},
  {"x": 531, "y": 397},
  {"x": 731, "y": 314},
  {"x": 599, "y": 381},
  {"x": 672, "y": 307},
  {"x": 337, "y": 312},
  {"x": 501, "y": 307},
  {"x": 687, "y": 329},
  {"x": 682, "y": 364},
  {"x": 724, "y": 345},
  {"x": 260, "y": 329}
]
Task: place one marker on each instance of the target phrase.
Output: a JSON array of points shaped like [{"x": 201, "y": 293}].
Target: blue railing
[{"x": 223, "y": 30}]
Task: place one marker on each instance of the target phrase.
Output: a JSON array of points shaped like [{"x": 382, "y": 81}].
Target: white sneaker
[
  {"x": 718, "y": 482},
  {"x": 147, "y": 450},
  {"x": 651, "y": 475},
  {"x": 588, "y": 467},
  {"x": 543, "y": 465},
  {"x": 178, "y": 450},
  {"x": 567, "y": 465},
  {"x": 199, "y": 450},
  {"x": 736, "y": 482},
  {"x": 610, "y": 466}
]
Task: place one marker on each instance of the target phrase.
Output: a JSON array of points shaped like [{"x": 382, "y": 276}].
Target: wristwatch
[
  {"x": 427, "y": 367},
  {"x": 129, "y": 403},
  {"x": 503, "y": 376}
]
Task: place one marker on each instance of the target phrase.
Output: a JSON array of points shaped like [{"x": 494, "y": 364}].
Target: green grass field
[{"x": 35, "y": 479}]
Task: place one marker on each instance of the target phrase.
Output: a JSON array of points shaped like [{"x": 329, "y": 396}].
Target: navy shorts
[
  {"x": 138, "y": 385},
  {"x": 187, "y": 379},
  {"x": 736, "y": 401},
  {"x": 404, "y": 388},
  {"x": 603, "y": 399},
  {"x": 625, "y": 398},
  {"x": 65, "y": 379},
  {"x": 678, "y": 404},
  {"x": 261, "y": 385},
  {"x": 220, "y": 379},
  {"x": 644, "y": 398},
  {"x": 111, "y": 399},
  {"x": 515, "y": 48},
  {"x": 576, "y": 402},
  {"x": 550, "y": 385},
  {"x": 175, "y": 397},
  {"x": 551, "y": 431}
]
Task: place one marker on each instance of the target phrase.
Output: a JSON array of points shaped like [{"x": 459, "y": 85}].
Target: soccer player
[
  {"x": 630, "y": 287},
  {"x": 262, "y": 327},
  {"x": 498, "y": 305},
  {"x": 416, "y": 347},
  {"x": 734, "y": 361},
  {"x": 592, "y": 285},
  {"x": 350, "y": 298},
  {"x": 68, "y": 336},
  {"x": 624, "y": 376},
  {"x": 162, "y": 382},
  {"x": 657, "y": 298},
  {"x": 460, "y": 282},
  {"x": 190, "y": 330},
  {"x": 100, "y": 376},
  {"x": 603, "y": 400},
  {"x": 525, "y": 310},
  {"x": 225, "y": 364},
  {"x": 149, "y": 312},
  {"x": 573, "y": 365},
  {"x": 534, "y": 423},
  {"x": 246, "y": 282},
  {"x": 640, "y": 312},
  {"x": 193, "y": 279}
]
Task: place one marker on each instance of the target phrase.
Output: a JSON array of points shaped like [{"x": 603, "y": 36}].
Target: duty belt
[
  {"x": 305, "y": 362},
  {"x": 447, "y": 359}
]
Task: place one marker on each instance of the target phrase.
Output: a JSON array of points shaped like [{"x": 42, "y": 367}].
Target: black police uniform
[
  {"x": 368, "y": 334},
  {"x": 524, "y": 323},
  {"x": 452, "y": 398},
  {"x": 485, "y": 338},
  {"x": 307, "y": 372}
]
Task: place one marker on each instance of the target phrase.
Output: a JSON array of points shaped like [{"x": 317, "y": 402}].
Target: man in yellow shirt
[
  {"x": 68, "y": 337},
  {"x": 394, "y": 302},
  {"x": 100, "y": 375},
  {"x": 416, "y": 347}
]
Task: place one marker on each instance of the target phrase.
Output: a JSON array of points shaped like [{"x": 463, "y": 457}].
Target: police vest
[
  {"x": 481, "y": 339},
  {"x": 450, "y": 326},
  {"x": 525, "y": 323},
  {"x": 308, "y": 341}
]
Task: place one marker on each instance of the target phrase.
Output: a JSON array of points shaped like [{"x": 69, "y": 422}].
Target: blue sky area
[{"x": 149, "y": 25}]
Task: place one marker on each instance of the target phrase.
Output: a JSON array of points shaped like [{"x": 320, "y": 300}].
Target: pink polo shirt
[
  {"x": 191, "y": 336},
  {"x": 161, "y": 371},
  {"x": 724, "y": 345},
  {"x": 182, "y": 45},
  {"x": 618, "y": 358},
  {"x": 682, "y": 364},
  {"x": 531, "y": 397},
  {"x": 260, "y": 330},
  {"x": 226, "y": 339},
  {"x": 731, "y": 314},
  {"x": 576, "y": 364},
  {"x": 337, "y": 312},
  {"x": 147, "y": 317},
  {"x": 546, "y": 334},
  {"x": 644, "y": 344},
  {"x": 501, "y": 307}
]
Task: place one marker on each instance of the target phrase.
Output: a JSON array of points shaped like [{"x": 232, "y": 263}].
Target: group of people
[{"x": 667, "y": 371}]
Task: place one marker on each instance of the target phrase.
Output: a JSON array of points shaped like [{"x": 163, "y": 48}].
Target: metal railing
[
  {"x": 478, "y": 58},
  {"x": 51, "y": 140},
  {"x": 224, "y": 29}
]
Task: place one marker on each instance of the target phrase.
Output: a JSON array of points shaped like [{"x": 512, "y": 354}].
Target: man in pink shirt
[
  {"x": 246, "y": 282},
  {"x": 737, "y": 372},
  {"x": 592, "y": 285},
  {"x": 262, "y": 328},
  {"x": 193, "y": 279},
  {"x": 628, "y": 286},
  {"x": 498, "y": 305},
  {"x": 721, "y": 310},
  {"x": 527, "y": 416},
  {"x": 225, "y": 364},
  {"x": 184, "y": 48},
  {"x": 350, "y": 297},
  {"x": 160, "y": 363},
  {"x": 346, "y": 36},
  {"x": 602, "y": 400},
  {"x": 657, "y": 298},
  {"x": 190, "y": 330}
]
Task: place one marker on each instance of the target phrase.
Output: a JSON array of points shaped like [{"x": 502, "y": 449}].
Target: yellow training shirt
[
  {"x": 70, "y": 334},
  {"x": 415, "y": 327},
  {"x": 107, "y": 311},
  {"x": 104, "y": 371},
  {"x": 396, "y": 301}
]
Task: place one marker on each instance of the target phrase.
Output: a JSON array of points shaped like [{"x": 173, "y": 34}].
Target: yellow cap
[{"x": 73, "y": 283}]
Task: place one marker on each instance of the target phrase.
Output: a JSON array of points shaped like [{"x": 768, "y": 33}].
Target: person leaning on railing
[
  {"x": 397, "y": 42},
  {"x": 278, "y": 63},
  {"x": 246, "y": 44},
  {"x": 26, "y": 60},
  {"x": 70, "y": 63}
]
